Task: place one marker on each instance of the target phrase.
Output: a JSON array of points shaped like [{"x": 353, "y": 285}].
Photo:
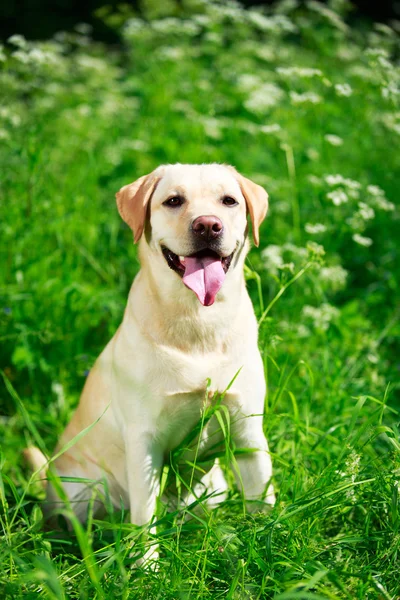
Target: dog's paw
[
  {"x": 148, "y": 561},
  {"x": 265, "y": 505}
]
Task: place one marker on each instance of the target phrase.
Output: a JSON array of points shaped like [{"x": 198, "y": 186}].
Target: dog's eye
[
  {"x": 228, "y": 201},
  {"x": 174, "y": 201}
]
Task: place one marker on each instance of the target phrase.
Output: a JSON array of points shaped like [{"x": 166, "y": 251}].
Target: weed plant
[{"x": 307, "y": 107}]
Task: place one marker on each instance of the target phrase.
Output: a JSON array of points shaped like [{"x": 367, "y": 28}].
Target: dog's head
[{"x": 197, "y": 220}]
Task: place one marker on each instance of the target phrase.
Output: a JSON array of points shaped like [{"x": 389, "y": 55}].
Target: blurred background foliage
[
  {"x": 296, "y": 99},
  {"x": 40, "y": 19}
]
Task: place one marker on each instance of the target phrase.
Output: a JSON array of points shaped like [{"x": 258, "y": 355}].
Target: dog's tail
[{"x": 38, "y": 463}]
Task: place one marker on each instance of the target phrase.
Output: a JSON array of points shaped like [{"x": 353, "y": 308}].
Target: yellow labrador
[{"x": 188, "y": 319}]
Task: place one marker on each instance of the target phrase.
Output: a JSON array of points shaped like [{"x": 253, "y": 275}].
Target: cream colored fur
[{"x": 153, "y": 373}]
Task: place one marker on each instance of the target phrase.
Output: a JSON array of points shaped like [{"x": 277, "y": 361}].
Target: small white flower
[
  {"x": 363, "y": 241},
  {"x": 314, "y": 228},
  {"x": 17, "y": 40},
  {"x": 314, "y": 180},
  {"x": 304, "y": 72},
  {"x": 375, "y": 190},
  {"x": 384, "y": 204},
  {"x": 338, "y": 197},
  {"x": 334, "y": 179},
  {"x": 310, "y": 97},
  {"x": 272, "y": 258},
  {"x": 365, "y": 211},
  {"x": 263, "y": 98},
  {"x": 321, "y": 316},
  {"x": 270, "y": 128},
  {"x": 171, "y": 53},
  {"x": 22, "y": 56},
  {"x": 351, "y": 184},
  {"x": 391, "y": 121},
  {"x": 334, "y": 140},
  {"x": 298, "y": 251},
  {"x": 343, "y": 89},
  {"x": 248, "y": 82},
  {"x": 335, "y": 276},
  {"x": 287, "y": 267},
  {"x": 137, "y": 145},
  {"x": 58, "y": 391},
  {"x": 212, "y": 127}
]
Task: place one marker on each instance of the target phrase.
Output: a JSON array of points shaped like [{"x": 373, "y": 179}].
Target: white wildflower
[
  {"x": 212, "y": 127},
  {"x": 314, "y": 228},
  {"x": 365, "y": 211},
  {"x": 328, "y": 14},
  {"x": 137, "y": 145},
  {"x": 334, "y": 179},
  {"x": 297, "y": 251},
  {"x": 263, "y": 98},
  {"x": 384, "y": 204},
  {"x": 265, "y": 53},
  {"x": 348, "y": 53},
  {"x": 338, "y": 197},
  {"x": 247, "y": 82},
  {"x": 391, "y": 121},
  {"x": 171, "y": 53},
  {"x": 314, "y": 180},
  {"x": 272, "y": 258},
  {"x": 343, "y": 89},
  {"x": 172, "y": 25},
  {"x": 312, "y": 153},
  {"x": 310, "y": 97},
  {"x": 375, "y": 190},
  {"x": 350, "y": 184},
  {"x": 274, "y": 128},
  {"x": 303, "y": 331},
  {"x": 21, "y": 56},
  {"x": 363, "y": 241},
  {"x": 275, "y": 23},
  {"x": 304, "y": 72},
  {"x": 390, "y": 90},
  {"x": 58, "y": 391},
  {"x": 321, "y": 316},
  {"x": 335, "y": 276},
  {"x": 91, "y": 62},
  {"x": 260, "y": 21},
  {"x": 334, "y": 140},
  {"x": 17, "y": 40},
  {"x": 287, "y": 267}
]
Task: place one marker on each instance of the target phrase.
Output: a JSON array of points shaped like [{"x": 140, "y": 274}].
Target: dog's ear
[
  {"x": 257, "y": 202},
  {"x": 133, "y": 201}
]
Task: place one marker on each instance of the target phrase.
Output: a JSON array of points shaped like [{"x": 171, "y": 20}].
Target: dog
[{"x": 188, "y": 329}]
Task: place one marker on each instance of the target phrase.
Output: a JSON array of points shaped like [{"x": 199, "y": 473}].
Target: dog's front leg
[
  {"x": 253, "y": 470},
  {"x": 143, "y": 464}
]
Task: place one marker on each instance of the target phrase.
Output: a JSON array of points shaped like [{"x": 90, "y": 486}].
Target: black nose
[{"x": 207, "y": 227}]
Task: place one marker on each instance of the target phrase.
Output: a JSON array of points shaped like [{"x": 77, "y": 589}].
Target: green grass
[{"x": 78, "y": 121}]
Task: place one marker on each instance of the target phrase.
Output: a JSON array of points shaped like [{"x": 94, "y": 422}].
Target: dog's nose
[{"x": 207, "y": 227}]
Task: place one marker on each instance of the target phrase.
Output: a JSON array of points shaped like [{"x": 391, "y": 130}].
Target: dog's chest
[{"x": 184, "y": 387}]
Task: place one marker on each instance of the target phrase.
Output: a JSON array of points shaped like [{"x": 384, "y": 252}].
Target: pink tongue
[{"x": 204, "y": 276}]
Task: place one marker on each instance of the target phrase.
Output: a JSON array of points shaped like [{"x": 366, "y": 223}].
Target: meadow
[{"x": 306, "y": 106}]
